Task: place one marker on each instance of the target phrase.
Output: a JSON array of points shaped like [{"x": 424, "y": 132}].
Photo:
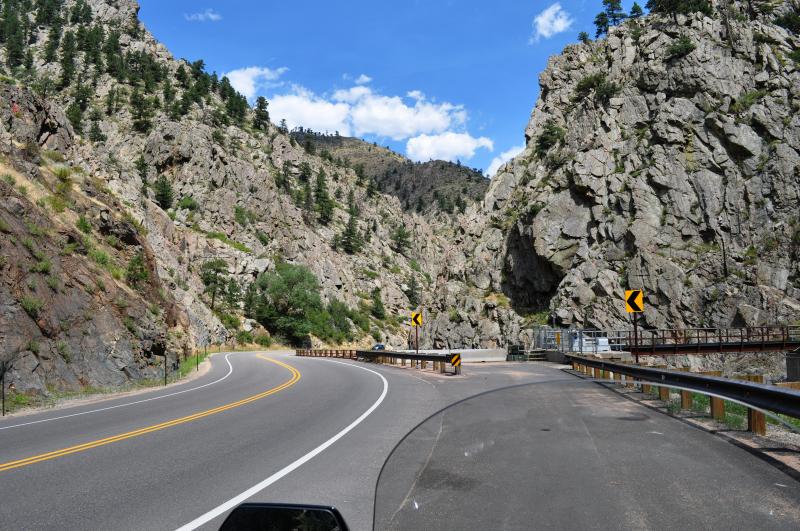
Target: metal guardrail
[
  {"x": 768, "y": 397},
  {"x": 380, "y": 355}
]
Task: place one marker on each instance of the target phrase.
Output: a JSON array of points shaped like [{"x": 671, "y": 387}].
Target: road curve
[{"x": 158, "y": 462}]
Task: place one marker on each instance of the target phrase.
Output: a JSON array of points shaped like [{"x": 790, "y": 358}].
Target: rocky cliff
[
  {"x": 664, "y": 157},
  {"x": 98, "y": 120}
]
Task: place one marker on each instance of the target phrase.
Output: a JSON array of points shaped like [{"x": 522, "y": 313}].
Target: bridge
[{"x": 674, "y": 341}]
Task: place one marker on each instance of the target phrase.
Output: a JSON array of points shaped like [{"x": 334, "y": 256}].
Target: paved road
[{"x": 307, "y": 430}]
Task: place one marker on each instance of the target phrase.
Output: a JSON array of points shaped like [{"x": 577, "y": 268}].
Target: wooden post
[
  {"x": 686, "y": 396},
  {"x": 756, "y": 420},
  {"x": 717, "y": 404}
]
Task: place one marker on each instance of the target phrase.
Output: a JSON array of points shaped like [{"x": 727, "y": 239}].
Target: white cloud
[
  {"x": 208, "y": 15},
  {"x": 432, "y": 129},
  {"x": 249, "y": 80},
  {"x": 551, "y": 21},
  {"x": 446, "y": 146},
  {"x": 502, "y": 158},
  {"x": 303, "y": 108},
  {"x": 363, "y": 79}
]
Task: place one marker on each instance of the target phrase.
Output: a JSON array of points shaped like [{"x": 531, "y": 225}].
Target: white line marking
[
  {"x": 230, "y": 371},
  {"x": 255, "y": 489}
]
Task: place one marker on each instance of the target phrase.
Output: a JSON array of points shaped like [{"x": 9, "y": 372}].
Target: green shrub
[
  {"x": 84, "y": 225},
  {"x": 552, "y": 135},
  {"x": 188, "y": 203},
  {"x": 31, "y": 305},
  {"x": 790, "y": 21},
  {"x": 747, "y": 100},
  {"x": 55, "y": 156},
  {"x": 241, "y": 215},
  {"x": 63, "y": 349},
  {"x": 9, "y": 179},
  {"x": 42, "y": 266},
  {"x": 603, "y": 89},
  {"x": 164, "y": 194},
  {"x": 100, "y": 257},
  {"x": 682, "y": 47},
  {"x": 137, "y": 271},
  {"x": 244, "y": 337},
  {"x": 224, "y": 239},
  {"x": 795, "y": 55},
  {"x": 62, "y": 172},
  {"x": 262, "y": 339},
  {"x": 58, "y": 203}
]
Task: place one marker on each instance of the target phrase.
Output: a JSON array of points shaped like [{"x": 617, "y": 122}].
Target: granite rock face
[{"x": 683, "y": 179}]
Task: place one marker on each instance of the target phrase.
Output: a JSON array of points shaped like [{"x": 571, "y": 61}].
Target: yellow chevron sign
[
  {"x": 416, "y": 318},
  {"x": 634, "y": 301}
]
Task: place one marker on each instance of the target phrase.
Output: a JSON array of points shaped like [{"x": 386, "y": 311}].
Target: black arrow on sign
[
  {"x": 415, "y": 318},
  {"x": 632, "y": 300}
]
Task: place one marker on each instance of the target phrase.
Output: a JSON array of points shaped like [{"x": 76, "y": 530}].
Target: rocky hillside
[
  {"x": 426, "y": 187},
  {"x": 148, "y": 173},
  {"x": 664, "y": 157}
]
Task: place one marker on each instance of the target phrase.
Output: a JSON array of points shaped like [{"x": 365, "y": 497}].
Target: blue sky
[{"x": 450, "y": 79}]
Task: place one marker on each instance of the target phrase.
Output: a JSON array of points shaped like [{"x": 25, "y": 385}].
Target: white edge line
[
  {"x": 255, "y": 489},
  {"x": 230, "y": 371}
]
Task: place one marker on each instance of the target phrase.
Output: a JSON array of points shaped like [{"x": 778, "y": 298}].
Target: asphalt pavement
[{"x": 274, "y": 427}]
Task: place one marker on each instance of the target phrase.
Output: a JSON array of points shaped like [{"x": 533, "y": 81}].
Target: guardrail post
[
  {"x": 686, "y": 396},
  {"x": 717, "y": 404},
  {"x": 663, "y": 392},
  {"x": 756, "y": 420}
]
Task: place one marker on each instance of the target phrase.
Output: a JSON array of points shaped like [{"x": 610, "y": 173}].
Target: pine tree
[
  {"x": 636, "y": 11},
  {"x": 213, "y": 273},
  {"x": 584, "y": 37},
  {"x": 401, "y": 239},
  {"x": 141, "y": 169},
  {"x": 115, "y": 64},
  {"x": 75, "y": 116},
  {"x": 68, "y": 51},
  {"x": 95, "y": 133},
  {"x": 163, "y": 193},
  {"x": 141, "y": 111},
  {"x": 601, "y": 23},
  {"x": 14, "y": 37},
  {"x": 351, "y": 238},
  {"x": 308, "y": 197},
  {"x": 323, "y": 200},
  {"x": 412, "y": 292},
  {"x": 614, "y": 11},
  {"x": 261, "y": 114},
  {"x": 378, "y": 310},
  {"x": 53, "y": 40}
]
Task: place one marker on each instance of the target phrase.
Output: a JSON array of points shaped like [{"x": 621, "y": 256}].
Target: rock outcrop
[{"x": 664, "y": 157}]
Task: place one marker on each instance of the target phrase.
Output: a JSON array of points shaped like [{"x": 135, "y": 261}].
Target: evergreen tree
[
  {"x": 115, "y": 64},
  {"x": 75, "y": 116},
  {"x": 95, "y": 133},
  {"x": 68, "y": 51},
  {"x": 401, "y": 239},
  {"x": 323, "y": 200},
  {"x": 168, "y": 93},
  {"x": 137, "y": 271},
  {"x": 614, "y": 11},
  {"x": 584, "y": 37},
  {"x": 601, "y": 23},
  {"x": 351, "y": 238},
  {"x": 305, "y": 171},
  {"x": 141, "y": 111},
  {"x": 308, "y": 197},
  {"x": 372, "y": 187},
  {"x": 213, "y": 273},
  {"x": 141, "y": 169},
  {"x": 636, "y": 11},
  {"x": 164, "y": 194},
  {"x": 377, "y": 309},
  {"x": 53, "y": 41},
  {"x": 412, "y": 292},
  {"x": 14, "y": 37},
  {"x": 261, "y": 115}
]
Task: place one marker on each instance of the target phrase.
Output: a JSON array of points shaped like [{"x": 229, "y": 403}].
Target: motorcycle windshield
[{"x": 572, "y": 454}]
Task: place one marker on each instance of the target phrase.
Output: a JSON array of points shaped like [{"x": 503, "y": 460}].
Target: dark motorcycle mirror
[{"x": 283, "y": 517}]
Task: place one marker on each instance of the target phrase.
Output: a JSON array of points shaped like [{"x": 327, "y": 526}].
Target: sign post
[
  {"x": 3, "y": 387},
  {"x": 416, "y": 322},
  {"x": 634, "y": 304}
]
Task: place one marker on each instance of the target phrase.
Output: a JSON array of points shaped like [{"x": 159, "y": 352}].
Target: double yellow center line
[{"x": 157, "y": 427}]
